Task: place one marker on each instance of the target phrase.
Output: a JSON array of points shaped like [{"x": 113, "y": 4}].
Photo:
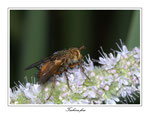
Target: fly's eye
[{"x": 76, "y": 53}]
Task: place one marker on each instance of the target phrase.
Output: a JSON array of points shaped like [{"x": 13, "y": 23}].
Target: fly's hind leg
[
  {"x": 67, "y": 80},
  {"x": 53, "y": 86}
]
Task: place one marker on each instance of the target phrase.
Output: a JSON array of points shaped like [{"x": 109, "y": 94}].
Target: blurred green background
[{"x": 36, "y": 34}]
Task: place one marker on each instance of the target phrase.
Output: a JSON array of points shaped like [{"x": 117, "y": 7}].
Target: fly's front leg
[
  {"x": 73, "y": 65},
  {"x": 80, "y": 65}
]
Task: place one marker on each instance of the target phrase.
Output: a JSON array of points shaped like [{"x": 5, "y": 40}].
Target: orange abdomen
[{"x": 44, "y": 69}]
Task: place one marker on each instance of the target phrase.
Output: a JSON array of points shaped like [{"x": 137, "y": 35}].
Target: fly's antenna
[{"x": 82, "y": 47}]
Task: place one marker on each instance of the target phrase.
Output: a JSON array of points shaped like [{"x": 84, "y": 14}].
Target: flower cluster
[{"x": 117, "y": 80}]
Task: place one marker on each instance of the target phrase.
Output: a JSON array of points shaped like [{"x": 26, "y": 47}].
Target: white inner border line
[{"x": 70, "y": 8}]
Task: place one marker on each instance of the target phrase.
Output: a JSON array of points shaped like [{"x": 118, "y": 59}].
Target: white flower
[
  {"x": 92, "y": 74},
  {"x": 122, "y": 80},
  {"x": 110, "y": 101},
  {"x": 123, "y": 92},
  {"x": 14, "y": 93},
  {"x": 116, "y": 99},
  {"x": 135, "y": 71},
  {"x": 108, "y": 61},
  {"x": 36, "y": 89},
  {"x": 124, "y": 51},
  {"x": 113, "y": 71},
  {"x": 96, "y": 102},
  {"x": 49, "y": 102},
  {"x": 90, "y": 92},
  {"x": 71, "y": 78},
  {"x": 137, "y": 50},
  {"x": 80, "y": 78},
  {"x": 29, "y": 94},
  {"x": 106, "y": 88},
  {"x": 57, "y": 83},
  {"x": 69, "y": 101},
  {"x": 83, "y": 101},
  {"x": 107, "y": 80},
  {"x": 119, "y": 76},
  {"x": 100, "y": 92},
  {"x": 89, "y": 66}
]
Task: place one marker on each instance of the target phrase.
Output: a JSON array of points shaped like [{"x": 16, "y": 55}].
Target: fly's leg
[
  {"x": 72, "y": 66},
  {"x": 67, "y": 80},
  {"x": 80, "y": 65},
  {"x": 82, "y": 69},
  {"x": 53, "y": 86}
]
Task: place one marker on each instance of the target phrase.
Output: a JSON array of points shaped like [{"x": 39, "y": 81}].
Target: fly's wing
[
  {"x": 55, "y": 56},
  {"x": 48, "y": 70},
  {"x": 59, "y": 55},
  {"x": 38, "y": 63}
]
